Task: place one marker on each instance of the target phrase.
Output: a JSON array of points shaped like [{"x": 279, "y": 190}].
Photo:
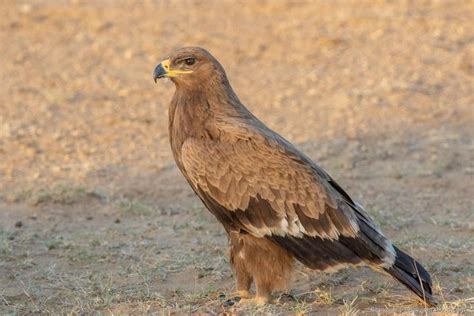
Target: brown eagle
[{"x": 274, "y": 202}]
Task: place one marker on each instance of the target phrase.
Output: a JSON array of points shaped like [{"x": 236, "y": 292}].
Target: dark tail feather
[{"x": 412, "y": 275}]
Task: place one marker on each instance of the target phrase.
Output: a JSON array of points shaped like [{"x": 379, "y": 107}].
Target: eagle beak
[
  {"x": 163, "y": 70},
  {"x": 160, "y": 70}
]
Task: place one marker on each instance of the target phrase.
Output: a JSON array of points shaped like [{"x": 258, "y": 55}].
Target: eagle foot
[
  {"x": 237, "y": 300},
  {"x": 236, "y": 297},
  {"x": 259, "y": 300}
]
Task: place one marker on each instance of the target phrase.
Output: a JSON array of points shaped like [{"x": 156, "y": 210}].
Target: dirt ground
[{"x": 94, "y": 215}]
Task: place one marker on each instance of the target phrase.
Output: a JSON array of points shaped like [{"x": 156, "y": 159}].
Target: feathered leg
[
  {"x": 263, "y": 261},
  {"x": 237, "y": 259}
]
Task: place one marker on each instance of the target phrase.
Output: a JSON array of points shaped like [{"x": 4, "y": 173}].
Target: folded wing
[{"x": 263, "y": 186}]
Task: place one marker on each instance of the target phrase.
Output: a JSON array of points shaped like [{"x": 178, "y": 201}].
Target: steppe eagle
[{"x": 275, "y": 203}]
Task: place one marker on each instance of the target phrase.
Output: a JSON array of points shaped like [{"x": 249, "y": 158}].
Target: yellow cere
[{"x": 171, "y": 72}]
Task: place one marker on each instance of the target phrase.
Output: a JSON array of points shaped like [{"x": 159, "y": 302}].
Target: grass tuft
[
  {"x": 134, "y": 207},
  {"x": 349, "y": 307},
  {"x": 5, "y": 244},
  {"x": 60, "y": 194}
]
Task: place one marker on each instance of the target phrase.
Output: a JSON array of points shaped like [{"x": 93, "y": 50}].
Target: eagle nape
[{"x": 275, "y": 204}]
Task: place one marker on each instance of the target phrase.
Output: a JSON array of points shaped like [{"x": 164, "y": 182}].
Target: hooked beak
[
  {"x": 163, "y": 70},
  {"x": 160, "y": 71}
]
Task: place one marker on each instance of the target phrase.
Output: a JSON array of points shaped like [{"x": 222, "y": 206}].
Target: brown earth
[{"x": 95, "y": 217}]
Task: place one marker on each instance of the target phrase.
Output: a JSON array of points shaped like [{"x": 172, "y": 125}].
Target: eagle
[{"x": 275, "y": 203}]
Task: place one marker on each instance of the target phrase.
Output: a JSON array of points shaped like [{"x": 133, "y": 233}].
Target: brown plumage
[{"x": 273, "y": 201}]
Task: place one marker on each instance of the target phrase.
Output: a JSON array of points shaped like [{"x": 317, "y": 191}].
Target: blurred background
[{"x": 94, "y": 215}]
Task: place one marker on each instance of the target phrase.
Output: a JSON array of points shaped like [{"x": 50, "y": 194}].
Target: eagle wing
[{"x": 262, "y": 185}]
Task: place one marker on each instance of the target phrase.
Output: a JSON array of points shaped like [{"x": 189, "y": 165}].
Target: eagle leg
[
  {"x": 260, "y": 260},
  {"x": 237, "y": 259},
  {"x": 244, "y": 281}
]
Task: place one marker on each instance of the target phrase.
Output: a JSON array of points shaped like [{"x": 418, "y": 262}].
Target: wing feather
[{"x": 268, "y": 189}]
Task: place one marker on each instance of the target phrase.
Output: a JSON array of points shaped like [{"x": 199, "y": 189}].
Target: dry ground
[{"x": 94, "y": 216}]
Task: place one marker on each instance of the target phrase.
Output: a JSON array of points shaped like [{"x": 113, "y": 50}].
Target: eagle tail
[{"x": 412, "y": 274}]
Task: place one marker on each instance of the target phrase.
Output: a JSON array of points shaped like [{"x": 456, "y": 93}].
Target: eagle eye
[{"x": 190, "y": 61}]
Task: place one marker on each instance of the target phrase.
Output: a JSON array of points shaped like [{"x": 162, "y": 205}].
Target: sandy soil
[{"x": 95, "y": 217}]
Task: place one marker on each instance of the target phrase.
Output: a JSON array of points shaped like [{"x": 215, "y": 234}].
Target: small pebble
[
  {"x": 89, "y": 218},
  {"x": 117, "y": 221},
  {"x": 18, "y": 224}
]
